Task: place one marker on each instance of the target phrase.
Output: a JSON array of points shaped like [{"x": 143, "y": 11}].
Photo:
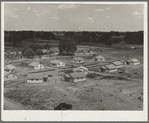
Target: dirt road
[{"x": 11, "y": 105}]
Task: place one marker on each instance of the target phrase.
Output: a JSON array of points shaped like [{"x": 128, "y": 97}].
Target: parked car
[{"x": 63, "y": 106}]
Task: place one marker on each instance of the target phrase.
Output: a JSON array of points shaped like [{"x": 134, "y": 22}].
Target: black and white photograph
[{"x": 74, "y": 60}]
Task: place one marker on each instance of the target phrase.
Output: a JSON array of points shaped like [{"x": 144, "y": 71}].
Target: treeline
[
  {"x": 134, "y": 37},
  {"x": 107, "y": 37},
  {"x": 16, "y": 37}
]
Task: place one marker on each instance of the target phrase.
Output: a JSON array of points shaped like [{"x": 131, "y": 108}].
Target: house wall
[
  {"x": 112, "y": 70},
  {"x": 39, "y": 66},
  {"x": 85, "y": 72},
  {"x": 10, "y": 77},
  {"x": 34, "y": 81},
  {"x": 79, "y": 80},
  {"x": 60, "y": 64},
  {"x": 136, "y": 63},
  {"x": 119, "y": 66}
]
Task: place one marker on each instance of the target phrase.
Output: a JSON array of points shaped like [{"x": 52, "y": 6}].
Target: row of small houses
[
  {"x": 78, "y": 74},
  {"x": 114, "y": 66}
]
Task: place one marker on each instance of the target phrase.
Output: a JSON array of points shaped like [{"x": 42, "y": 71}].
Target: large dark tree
[{"x": 68, "y": 46}]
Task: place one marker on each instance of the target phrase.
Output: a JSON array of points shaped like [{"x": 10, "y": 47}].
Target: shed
[
  {"x": 102, "y": 69},
  {"x": 35, "y": 78},
  {"x": 67, "y": 77},
  {"x": 36, "y": 65}
]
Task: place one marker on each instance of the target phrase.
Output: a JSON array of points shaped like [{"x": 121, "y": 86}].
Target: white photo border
[{"x": 86, "y": 115}]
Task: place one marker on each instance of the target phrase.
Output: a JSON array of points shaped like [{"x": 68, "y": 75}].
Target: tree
[
  {"x": 39, "y": 52},
  {"x": 67, "y": 46},
  {"x": 108, "y": 42},
  {"x": 13, "y": 38},
  {"x": 29, "y": 53},
  {"x": 47, "y": 46}
]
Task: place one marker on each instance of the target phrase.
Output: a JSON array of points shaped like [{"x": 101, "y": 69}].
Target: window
[
  {"x": 36, "y": 79},
  {"x": 31, "y": 79},
  {"x": 13, "y": 76}
]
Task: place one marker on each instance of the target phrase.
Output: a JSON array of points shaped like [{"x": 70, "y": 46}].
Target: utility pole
[{"x": 76, "y": 30}]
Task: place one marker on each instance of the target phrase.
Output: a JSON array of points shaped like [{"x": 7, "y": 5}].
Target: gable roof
[
  {"x": 110, "y": 66},
  {"x": 67, "y": 75},
  {"x": 117, "y": 63},
  {"x": 134, "y": 60},
  {"x": 33, "y": 64},
  {"x": 35, "y": 76},
  {"x": 79, "y": 68},
  {"x": 55, "y": 61},
  {"x": 78, "y": 58},
  {"x": 7, "y": 73},
  {"x": 77, "y": 75},
  {"x": 10, "y": 67}
]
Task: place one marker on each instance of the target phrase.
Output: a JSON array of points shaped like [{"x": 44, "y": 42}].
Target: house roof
[
  {"x": 77, "y": 75},
  {"x": 10, "y": 67},
  {"x": 7, "y": 73},
  {"x": 67, "y": 75},
  {"x": 117, "y": 63},
  {"x": 35, "y": 76},
  {"x": 99, "y": 57},
  {"x": 110, "y": 66},
  {"x": 78, "y": 58},
  {"x": 79, "y": 68},
  {"x": 55, "y": 61},
  {"x": 134, "y": 60},
  {"x": 33, "y": 64},
  {"x": 46, "y": 75}
]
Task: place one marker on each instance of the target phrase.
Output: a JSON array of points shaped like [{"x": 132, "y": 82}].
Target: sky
[{"x": 65, "y": 17}]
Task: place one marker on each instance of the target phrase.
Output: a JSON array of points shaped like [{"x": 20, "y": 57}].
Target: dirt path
[{"x": 11, "y": 105}]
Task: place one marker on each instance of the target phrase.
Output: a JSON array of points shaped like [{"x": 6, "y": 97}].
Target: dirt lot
[{"x": 114, "y": 91}]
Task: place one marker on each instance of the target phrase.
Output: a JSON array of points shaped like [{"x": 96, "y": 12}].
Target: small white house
[
  {"x": 80, "y": 69},
  {"x": 10, "y": 68},
  {"x": 110, "y": 68},
  {"x": 35, "y": 78},
  {"x": 99, "y": 58},
  {"x": 57, "y": 63},
  {"x": 118, "y": 64},
  {"x": 9, "y": 76},
  {"x": 78, "y": 77},
  {"x": 133, "y": 61},
  {"x": 36, "y": 66},
  {"x": 45, "y": 51},
  {"x": 78, "y": 59}
]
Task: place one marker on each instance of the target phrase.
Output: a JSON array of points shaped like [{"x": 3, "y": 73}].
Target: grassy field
[{"x": 108, "y": 91}]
